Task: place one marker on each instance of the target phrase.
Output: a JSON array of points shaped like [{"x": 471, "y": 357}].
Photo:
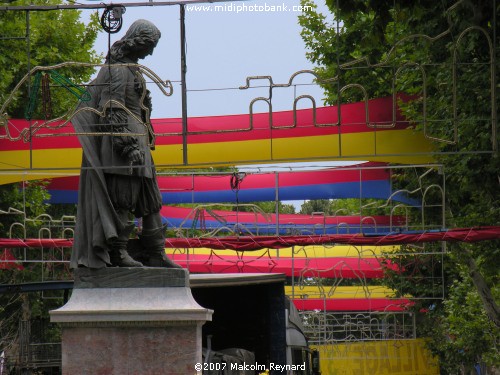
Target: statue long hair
[{"x": 141, "y": 32}]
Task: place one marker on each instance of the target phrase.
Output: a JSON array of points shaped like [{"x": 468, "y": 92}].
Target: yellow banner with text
[{"x": 394, "y": 357}]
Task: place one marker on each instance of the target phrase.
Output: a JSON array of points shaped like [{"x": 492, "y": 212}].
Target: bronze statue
[{"x": 118, "y": 176}]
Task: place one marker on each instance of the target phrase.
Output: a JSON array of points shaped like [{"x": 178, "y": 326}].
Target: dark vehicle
[{"x": 255, "y": 328}]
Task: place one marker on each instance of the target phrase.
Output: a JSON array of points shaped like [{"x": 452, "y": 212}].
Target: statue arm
[
  {"x": 116, "y": 118},
  {"x": 116, "y": 121}
]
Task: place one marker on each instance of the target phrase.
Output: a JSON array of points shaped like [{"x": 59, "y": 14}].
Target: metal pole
[
  {"x": 277, "y": 202},
  {"x": 101, "y": 5},
  {"x": 494, "y": 86},
  {"x": 28, "y": 57},
  {"x": 183, "y": 84},
  {"x": 293, "y": 272}
]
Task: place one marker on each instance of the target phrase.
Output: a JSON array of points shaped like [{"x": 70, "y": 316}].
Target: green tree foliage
[
  {"x": 461, "y": 332},
  {"x": 44, "y": 38},
  {"x": 343, "y": 207},
  {"x": 30, "y": 39},
  {"x": 25, "y": 209},
  {"x": 20, "y": 201},
  {"x": 316, "y": 205},
  {"x": 443, "y": 56},
  {"x": 270, "y": 207}
]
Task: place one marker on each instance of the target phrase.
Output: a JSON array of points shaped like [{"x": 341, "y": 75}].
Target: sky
[{"x": 225, "y": 45}]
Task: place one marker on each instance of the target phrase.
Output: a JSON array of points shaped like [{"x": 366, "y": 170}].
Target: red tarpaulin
[{"x": 261, "y": 242}]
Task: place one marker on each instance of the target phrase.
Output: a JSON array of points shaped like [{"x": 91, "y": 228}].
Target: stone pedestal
[{"x": 131, "y": 321}]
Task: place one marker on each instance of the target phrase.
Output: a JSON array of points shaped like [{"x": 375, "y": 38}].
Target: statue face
[{"x": 144, "y": 50}]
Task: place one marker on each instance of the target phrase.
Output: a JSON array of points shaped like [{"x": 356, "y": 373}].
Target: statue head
[{"x": 138, "y": 42}]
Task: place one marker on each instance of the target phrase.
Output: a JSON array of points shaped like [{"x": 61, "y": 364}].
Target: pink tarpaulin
[
  {"x": 334, "y": 267},
  {"x": 184, "y": 213}
]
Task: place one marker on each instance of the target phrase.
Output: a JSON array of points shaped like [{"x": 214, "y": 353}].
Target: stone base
[
  {"x": 131, "y": 321},
  {"x": 131, "y": 350}
]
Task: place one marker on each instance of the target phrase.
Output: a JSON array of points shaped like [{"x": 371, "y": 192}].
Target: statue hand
[
  {"x": 148, "y": 102},
  {"x": 136, "y": 157}
]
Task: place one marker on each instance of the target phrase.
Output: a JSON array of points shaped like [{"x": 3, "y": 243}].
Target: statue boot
[
  {"x": 118, "y": 250},
  {"x": 153, "y": 249}
]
